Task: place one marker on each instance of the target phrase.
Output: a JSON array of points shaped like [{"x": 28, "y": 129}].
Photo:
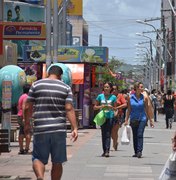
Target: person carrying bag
[
  {"x": 137, "y": 111},
  {"x": 106, "y": 102},
  {"x": 169, "y": 170}
]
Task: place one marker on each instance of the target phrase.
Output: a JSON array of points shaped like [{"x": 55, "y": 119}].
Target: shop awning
[{"x": 77, "y": 73}]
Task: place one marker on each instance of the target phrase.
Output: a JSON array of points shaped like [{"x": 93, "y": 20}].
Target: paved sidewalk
[
  {"x": 15, "y": 167},
  {"x": 85, "y": 161}
]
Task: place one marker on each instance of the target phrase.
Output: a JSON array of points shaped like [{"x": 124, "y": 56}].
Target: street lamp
[
  {"x": 156, "y": 67},
  {"x": 151, "y": 41},
  {"x": 146, "y": 23},
  {"x": 150, "y": 67}
]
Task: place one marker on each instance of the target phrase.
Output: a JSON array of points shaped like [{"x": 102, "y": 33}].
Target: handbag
[
  {"x": 134, "y": 123},
  {"x": 100, "y": 118},
  {"x": 169, "y": 170},
  {"x": 126, "y": 134}
]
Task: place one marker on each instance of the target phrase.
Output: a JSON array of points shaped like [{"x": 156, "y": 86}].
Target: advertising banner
[
  {"x": 74, "y": 8},
  {"x": 31, "y": 70},
  {"x": 24, "y": 31},
  {"x": 15, "y": 11},
  {"x": 89, "y": 54},
  {"x": 6, "y": 94}
]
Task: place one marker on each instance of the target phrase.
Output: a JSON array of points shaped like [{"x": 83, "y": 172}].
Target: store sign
[
  {"x": 24, "y": 31},
  {"x": 74, "y": 7},
  {"x": 66, "y": 54},
  {"x": 1, "y": 39},
  {"x": 76, "y": 41}
]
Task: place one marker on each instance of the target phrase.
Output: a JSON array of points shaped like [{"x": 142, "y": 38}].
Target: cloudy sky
[{"x": 116, "y": 21}]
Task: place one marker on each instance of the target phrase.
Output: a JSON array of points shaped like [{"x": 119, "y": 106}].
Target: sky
[{"x": 116, "y": 21}]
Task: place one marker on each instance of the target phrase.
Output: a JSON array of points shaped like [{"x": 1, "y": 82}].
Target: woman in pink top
[{"x": 22, "y": 135}]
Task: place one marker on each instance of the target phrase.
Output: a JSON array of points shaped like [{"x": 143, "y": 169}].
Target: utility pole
[
  {"x": 1, "y": 9},
  {"x": 164, "y": 53},
  {"x": 153, "y": 66},
  {"x": 55, "y": 32},
  {"x": 99, "y": 68},
  {"x": 48, "y": 33},
  {"x": 64, "y": 23},
  {"x": 62, "y": 29},
  {"x": 100, "y": 40},
  {"x": 173, "y": 47}
]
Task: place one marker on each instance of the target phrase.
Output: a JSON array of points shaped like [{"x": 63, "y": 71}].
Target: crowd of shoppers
[{"x": 138, "y": 108}]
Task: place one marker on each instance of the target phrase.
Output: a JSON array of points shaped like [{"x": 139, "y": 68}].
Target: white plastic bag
[
  {"x": 169, "y": 170},
  {"x": 126, "y": 134}
]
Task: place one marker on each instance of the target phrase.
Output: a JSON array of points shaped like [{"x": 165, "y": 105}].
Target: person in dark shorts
[{"x": 52, "y": 101}]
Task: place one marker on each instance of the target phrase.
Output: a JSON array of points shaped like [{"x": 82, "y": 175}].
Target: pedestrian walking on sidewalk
[
  {"x": 22, "y": 134},
  {"x": 137, "y": 111},
  {"x": 153, "y": 97},
  {"x": 52, "y": 101},
  {"x": 107, "y": 102},
  {"x": 119, "y": 116},
  {"x": 169, "y": 101}
]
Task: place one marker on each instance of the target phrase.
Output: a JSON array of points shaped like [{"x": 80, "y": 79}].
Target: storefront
[{"x": 82, "y": 62}]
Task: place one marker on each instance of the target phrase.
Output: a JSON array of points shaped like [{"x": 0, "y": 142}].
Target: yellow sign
[{"x": 74, "y": 8}]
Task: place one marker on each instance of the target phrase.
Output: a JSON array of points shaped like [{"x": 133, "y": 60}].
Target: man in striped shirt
[{"x": 51, "y": 101}]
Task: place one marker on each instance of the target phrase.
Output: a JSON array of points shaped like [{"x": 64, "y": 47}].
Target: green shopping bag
[{"x": 100, "y": 118}]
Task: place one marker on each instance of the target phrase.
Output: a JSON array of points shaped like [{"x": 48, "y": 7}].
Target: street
[{"x": 85, "y": 161}]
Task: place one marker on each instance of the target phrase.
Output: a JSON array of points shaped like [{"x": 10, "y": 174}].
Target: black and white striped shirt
[{"x": 49, "y": 97}]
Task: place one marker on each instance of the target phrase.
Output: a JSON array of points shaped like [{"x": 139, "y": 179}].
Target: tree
[{"x": 112, "y": 66}]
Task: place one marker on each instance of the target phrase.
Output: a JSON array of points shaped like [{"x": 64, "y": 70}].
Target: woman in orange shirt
[{"x": 121, "y": 103}]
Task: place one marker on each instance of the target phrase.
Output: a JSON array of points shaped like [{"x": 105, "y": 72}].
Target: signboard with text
[
  {"x": 24, "y": 31},
  {"x": 24, "y": 13},
  {"x": 89, "y": 54}
]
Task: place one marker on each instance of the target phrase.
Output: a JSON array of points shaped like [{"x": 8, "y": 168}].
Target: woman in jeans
[
  {"x": 106, "y": 101},
  {"x": 169, "y": 102},
  {"x": 137, "y": 112}
]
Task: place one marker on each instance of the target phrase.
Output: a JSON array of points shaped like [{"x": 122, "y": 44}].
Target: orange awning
[{"x": 77, "y": 73}]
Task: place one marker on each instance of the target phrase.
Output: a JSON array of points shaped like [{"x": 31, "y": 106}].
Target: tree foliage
[{"x": 113, "y": 65}]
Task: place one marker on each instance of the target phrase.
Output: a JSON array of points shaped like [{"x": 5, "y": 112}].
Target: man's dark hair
[
  {"x": 56, "y": 70},
  {"x": 26, "y": 88},
  {"x": 9, "y": 12},
  {"x": 17, "y": 7},
  {"x": 169, "y": 92}
]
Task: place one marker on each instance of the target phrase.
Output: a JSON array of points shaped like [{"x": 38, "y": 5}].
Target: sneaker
[
  {"x": 103, "y": 155},
  {"x": 107, "y": 154},
  {"x": 26, "y": 151},
  {"x": 139, "y": 154},
  {"x": 21, "y": 152},
  {"x": 135, "y": 155}
]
